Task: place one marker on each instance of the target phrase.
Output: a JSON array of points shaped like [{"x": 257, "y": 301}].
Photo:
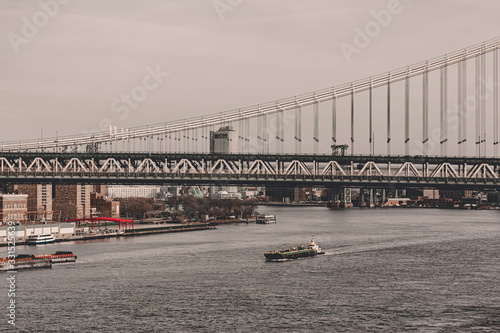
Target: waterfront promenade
[{"x": 145, "y": 229}]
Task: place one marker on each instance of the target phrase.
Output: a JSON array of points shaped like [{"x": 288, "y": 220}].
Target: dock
[{"x": 128, "y": 233}]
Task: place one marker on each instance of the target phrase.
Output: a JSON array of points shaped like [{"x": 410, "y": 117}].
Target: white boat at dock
[
  {"x": 265, "y": 219},
  {"x": 40, "y": 239}
]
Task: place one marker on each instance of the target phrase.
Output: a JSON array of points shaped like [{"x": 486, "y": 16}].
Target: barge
[
  {"x": 27, "y": 261},
  {"x": 22, "y": 262},
  {"x": 300, "y": 251},
  {"x": 59, "y": 256}
]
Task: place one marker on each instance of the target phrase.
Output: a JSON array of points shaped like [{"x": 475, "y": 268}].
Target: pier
[{"x": 113, "y": 233}]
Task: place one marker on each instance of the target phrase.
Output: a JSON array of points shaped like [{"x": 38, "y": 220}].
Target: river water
[{"x": 386, "y": 270}]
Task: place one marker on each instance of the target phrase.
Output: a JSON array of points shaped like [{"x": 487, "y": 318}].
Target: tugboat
[
  {"x": 315, "y": 246},
  {"x": 294, "y": 253}
]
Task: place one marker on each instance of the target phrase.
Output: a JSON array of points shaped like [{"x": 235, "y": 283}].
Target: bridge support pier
[
  {"x": 339, "y": 198},
  {"x": 366, "y": 198}
]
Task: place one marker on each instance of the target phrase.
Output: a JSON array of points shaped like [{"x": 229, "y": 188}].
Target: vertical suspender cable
[
  {"x": 464, "y": 106},
  {"x": 459, "y": 99},
  {"x": 282, "y": 134},
  {"x": 495, "y": 102},
  {"x": 425, "y": 112},
  {"x": 483, "y": 101},
  {"x": 169, "y": 141},
  {"x": 316, "y": 127},
  {"x": 242, "y": 133},
  {"x": 194, "y": 136},
  {"x": 265, "y": 134},
  {"x": 206, "y": 145},
  {"x": 280, "y": 118},
  {"x": 184, "y": 137},
  {"x": 259, "y": 132},
  {"x": 407, "y": 115},
  {"x": 212, "y": 133},
  {"x": 204, "y": 138},
  {"x": 296, "y": 129},
  {"x": 298, "y": 125},
  {"x": 178, "y": 141},
  {"x": 352, "y": 121},
  {"x": 203, "y": 132},
  {"x": 247, "y": 135},
  {"x": 334, "y": 120},
  {"x": 244, "y": 136},
  {"x": 478, "y": 109},
  {"x": 389, "y": 114},
  {"x": 300, "y": 129},
  {"x": 370, "y": 127},
  {"x": 278, "y": 129},
  {"x": 444, "y": 106}
]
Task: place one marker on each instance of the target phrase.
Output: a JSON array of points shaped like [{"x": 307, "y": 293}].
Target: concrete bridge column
[
  {"x": 346, "y": 198},
  {"x": 339, "y": 197}
]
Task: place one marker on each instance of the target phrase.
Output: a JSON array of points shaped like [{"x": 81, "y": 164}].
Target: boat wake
[{"x": 389, "y": 245}]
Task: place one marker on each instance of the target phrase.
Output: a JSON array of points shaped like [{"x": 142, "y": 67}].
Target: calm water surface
[{"x": 386, "y": 270}]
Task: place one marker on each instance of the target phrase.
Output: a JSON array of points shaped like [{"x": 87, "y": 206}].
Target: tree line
[{"x": 188, "y": 207}]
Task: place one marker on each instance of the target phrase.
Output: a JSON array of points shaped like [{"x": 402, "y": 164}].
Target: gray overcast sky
[{"x": 219, "y": 55}]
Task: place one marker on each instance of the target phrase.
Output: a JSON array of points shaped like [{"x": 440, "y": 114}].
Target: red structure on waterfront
[{"x": 127, "y": 224}]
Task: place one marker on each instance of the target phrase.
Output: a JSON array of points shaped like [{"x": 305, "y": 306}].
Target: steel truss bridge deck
[{"x": 251, "y": 169}]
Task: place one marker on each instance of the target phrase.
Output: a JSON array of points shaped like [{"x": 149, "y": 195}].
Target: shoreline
[
  {"x": 278, "y": 204},
  {"x": 292, "y": 204},
  {"x": 127, "y": 233}
]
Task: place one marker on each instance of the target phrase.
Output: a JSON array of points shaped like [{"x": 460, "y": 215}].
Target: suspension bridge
[{"x": 438, "y": 119}]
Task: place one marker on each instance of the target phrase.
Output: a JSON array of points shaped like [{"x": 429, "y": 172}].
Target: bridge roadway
[{"x": 363, "y": 171}]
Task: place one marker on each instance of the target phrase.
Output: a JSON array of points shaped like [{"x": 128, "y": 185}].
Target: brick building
[
  {"x": 456, "y": 195},
  {"x": 39, "y": 199},
  {"x": 303, "y": 194},
  {"x": 73, "y": 200},
  {"x": 13, "y": 207},
  {"x": 105, "y": 207}
]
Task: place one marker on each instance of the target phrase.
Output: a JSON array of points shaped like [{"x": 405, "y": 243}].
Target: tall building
[
  {"x": 13, "y": 207},
  {"x": 99, "y": 189},
  {"x": 39, "y": 199},
  {"x": 73, "y": 200},
  {"x": 224, "y": 141}
]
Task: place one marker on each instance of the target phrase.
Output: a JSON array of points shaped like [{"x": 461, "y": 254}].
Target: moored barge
[
  {"x": 22, "y": 262},
  {"x": 26, "y": 261},
  {"x": 59, "y": 256}
]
